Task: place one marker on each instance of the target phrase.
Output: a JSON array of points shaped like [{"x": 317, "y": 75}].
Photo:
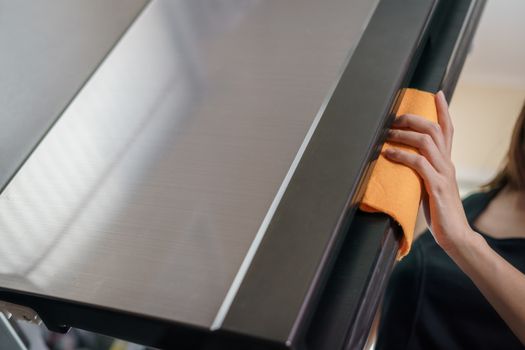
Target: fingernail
[{"x": 389, "y": 152}]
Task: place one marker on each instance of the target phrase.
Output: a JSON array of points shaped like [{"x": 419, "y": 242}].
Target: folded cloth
[{"x": 393, "y": 188}]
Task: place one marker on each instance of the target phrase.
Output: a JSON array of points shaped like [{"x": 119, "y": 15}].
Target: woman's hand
[
  {"x": 500, "y": 282},
  {"x": 442, "y": 204}
]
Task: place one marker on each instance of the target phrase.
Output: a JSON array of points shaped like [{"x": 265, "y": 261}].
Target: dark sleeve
[{"x": 401, "y": 302}]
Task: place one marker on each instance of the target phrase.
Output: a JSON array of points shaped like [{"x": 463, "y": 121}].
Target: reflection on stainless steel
[
  {"x": 148, "y": 192},
  {"x": 49, "y": 49}
]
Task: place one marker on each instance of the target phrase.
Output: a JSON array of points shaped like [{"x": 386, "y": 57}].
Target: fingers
[
  {"x": 423, "y": 142},
  {"x": 433, "y": 141},
  {"x": 415, "y": 161},
  {"x": 444, "y": 119},
  {"x": 422, "y": 125}
]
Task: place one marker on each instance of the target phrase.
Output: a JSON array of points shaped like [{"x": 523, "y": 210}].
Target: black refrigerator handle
[
  {"x": 439, "y": 67},
  {"x": 370, "y": 248}
]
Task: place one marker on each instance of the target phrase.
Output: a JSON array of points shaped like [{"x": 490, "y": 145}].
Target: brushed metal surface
[
  {"x": 48, "y": 50},
  {"x": 148, "y": 192}
]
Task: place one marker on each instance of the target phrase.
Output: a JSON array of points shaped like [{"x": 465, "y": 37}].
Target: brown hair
[{"x": 512, "y": 172}]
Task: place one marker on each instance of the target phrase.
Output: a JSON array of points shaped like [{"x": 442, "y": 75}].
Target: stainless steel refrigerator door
[{"x": 150, "y": 193}]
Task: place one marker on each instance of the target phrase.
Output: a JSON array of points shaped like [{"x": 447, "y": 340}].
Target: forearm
[{"x": 501, "y": 283}]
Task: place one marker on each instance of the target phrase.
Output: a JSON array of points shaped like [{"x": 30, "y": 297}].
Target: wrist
[{"x": 467, "y": 246}]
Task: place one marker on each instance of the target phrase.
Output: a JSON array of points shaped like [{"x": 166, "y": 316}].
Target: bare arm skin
[{"x": 501, "y": 283}]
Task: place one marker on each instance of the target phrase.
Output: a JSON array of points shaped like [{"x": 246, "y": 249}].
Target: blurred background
[{"x": 489, "y": 94}]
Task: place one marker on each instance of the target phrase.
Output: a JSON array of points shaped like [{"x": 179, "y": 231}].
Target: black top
[{"x": 431, "y": 304}]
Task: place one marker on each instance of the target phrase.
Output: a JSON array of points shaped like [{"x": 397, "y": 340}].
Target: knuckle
[
  {"x": 426, "y": 141},
  {"x": 420, "y": 162},
  {"x": 436, "y": 128}
]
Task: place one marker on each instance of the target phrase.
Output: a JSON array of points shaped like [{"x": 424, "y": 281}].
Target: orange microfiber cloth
[{"x": 393, "y": 188}]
